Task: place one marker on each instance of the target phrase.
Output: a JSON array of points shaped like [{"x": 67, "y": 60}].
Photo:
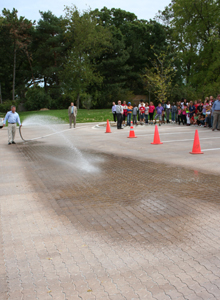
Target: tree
[
  {"x": 19, "y": 33},
  {"x": 130, "y": 52},
  {"x": 195, "y": 34},
  {"x": 87, "y": 41},
  {"x": 49, "y": 50},
  {"x": 160, "y": 76}
]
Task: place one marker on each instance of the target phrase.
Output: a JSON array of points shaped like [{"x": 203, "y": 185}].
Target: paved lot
[{"x": 89, "y": 215}]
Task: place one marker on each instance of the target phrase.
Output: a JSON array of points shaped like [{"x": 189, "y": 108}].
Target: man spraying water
[{"x": 13, "y": 118}]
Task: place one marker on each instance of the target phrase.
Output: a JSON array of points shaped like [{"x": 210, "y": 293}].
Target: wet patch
[{"x": 141, "y": 199}]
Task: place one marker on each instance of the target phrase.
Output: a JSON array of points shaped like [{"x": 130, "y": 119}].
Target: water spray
[{"x": 41, "y": 137}]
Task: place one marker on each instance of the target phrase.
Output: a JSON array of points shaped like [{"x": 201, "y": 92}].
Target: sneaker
[
  {"x": 159, "y": 124},
  {"x": 13, "y": 142},
  {"x": 9, "y": 143}
]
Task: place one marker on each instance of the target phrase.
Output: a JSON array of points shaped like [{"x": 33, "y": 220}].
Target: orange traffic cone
[
  {"x": 156, "y": 137},
  {"x": 108, "y": 129},
  {"x": 196, "y": 144},
  {"x": 131, "y": 133}
]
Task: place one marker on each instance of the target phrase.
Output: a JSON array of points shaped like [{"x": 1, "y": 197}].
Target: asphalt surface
[{"x": 90, "y": 215}]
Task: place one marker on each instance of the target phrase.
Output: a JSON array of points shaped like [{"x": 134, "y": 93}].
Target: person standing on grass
[
  {"x": 72, "y": 112},
  {"x": 173, "y": 112},
  {"x": 135, "y": 109},
  {"x": 129, "y": 112},
  {"x": 151, "y": 112},
  {"x": 192, "y": 109},
  {"x": 199, "y": 108},
  {"x": 163, "y": 104},
  {"x": 139, "y": 105},
  {"x": 119, "y": 113},
  {"x": 159, "y": 113},
  {"x": 142, "y": 113},
  {"x": 208, "y": 116},
  {"x": 184, "y": 108},
  {"x": 146, "y": 112},
  {"x": 125, "y": 112},
  {"x": 179, "y": 114},
  {"x": 114, "y": 111},
  {"x": 168, "y": 109},
  {"x": 13, "y": 118},
  {"x": 216, "y": 114}
]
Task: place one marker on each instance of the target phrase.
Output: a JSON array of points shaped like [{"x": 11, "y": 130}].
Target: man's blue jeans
[
  {"x": 173, "y": 116},
  {"x": 129, "y": 119}
]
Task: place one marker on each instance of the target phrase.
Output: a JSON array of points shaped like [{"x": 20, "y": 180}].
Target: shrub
[
  {"x": 6, "y": 105},
  {"x": 37, "y": 99}
]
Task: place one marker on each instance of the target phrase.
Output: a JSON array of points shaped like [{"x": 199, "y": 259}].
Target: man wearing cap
[
  {"x": 216, "y": 114},
  {"x": 13, "y": 118},
  {"x": 129, "y": 111}
]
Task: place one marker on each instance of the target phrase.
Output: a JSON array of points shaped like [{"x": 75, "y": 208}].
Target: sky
[{"x": 143, "y": 9}]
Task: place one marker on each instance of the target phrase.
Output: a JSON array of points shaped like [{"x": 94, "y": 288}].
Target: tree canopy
[{"x": 105, "y": 54}]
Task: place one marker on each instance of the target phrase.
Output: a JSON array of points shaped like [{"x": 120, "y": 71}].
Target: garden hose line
[{"x": 41, "y": 137}]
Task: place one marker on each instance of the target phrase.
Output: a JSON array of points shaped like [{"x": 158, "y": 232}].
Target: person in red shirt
[
  {"x": 196, "y": 105},
  {"x": 142, "y": 113},
  {"x": 125, "y": 112},
  {"x": 151, "y": 112}
]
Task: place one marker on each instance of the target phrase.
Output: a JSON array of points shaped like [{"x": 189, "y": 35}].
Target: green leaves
[
  {"x": 159, "y": 77},
  {"x": 87, "y": 42}
]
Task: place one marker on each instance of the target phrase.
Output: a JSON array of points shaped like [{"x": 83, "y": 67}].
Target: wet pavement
[{"x": 92, "y": 223}]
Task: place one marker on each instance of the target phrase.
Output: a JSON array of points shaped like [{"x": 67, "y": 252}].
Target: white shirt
[
  {"x": 183, "y": 103},
  {"x": 119, "y": 109},
  {"x": 146, "y": 110},
  {"x": 139, "y": 105}
]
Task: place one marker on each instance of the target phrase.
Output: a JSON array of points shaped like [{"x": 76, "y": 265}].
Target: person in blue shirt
[
  {"x": 159, "y": 113},
  {"x": 13, "y": 118},
  {"x": 216, "y": 114},
  {"x": 114, "y": 111},
  {"x": 192, "y": 109}
]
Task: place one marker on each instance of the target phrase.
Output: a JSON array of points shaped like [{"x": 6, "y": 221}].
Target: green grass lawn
[{"x": 83, "y": 116}]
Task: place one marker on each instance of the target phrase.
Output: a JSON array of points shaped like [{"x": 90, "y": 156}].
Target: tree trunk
[
  {"x": 14, "y": 71},
  {"x": 77, "y": 101},
  {"x": 45, "y": 85}
]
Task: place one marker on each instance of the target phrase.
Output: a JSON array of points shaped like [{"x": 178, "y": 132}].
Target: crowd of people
[{"x": 197, "y": 113}]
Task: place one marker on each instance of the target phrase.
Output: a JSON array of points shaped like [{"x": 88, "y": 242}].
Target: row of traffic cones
[{"x": 196, "y": 144}]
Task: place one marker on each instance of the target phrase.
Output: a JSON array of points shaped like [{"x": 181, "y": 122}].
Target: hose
[{"x": 41, "y": 137}]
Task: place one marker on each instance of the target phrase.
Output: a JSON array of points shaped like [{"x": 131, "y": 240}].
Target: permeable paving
[{"x": 90, "y": 225}]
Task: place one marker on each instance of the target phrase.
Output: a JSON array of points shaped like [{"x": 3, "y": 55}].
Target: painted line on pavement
[
  {"x": 57, "y": 132},
  {"x": 173, "y": 141},
  {"x": 167, "y": 133},
  {"x": 213, "y": 149}
]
